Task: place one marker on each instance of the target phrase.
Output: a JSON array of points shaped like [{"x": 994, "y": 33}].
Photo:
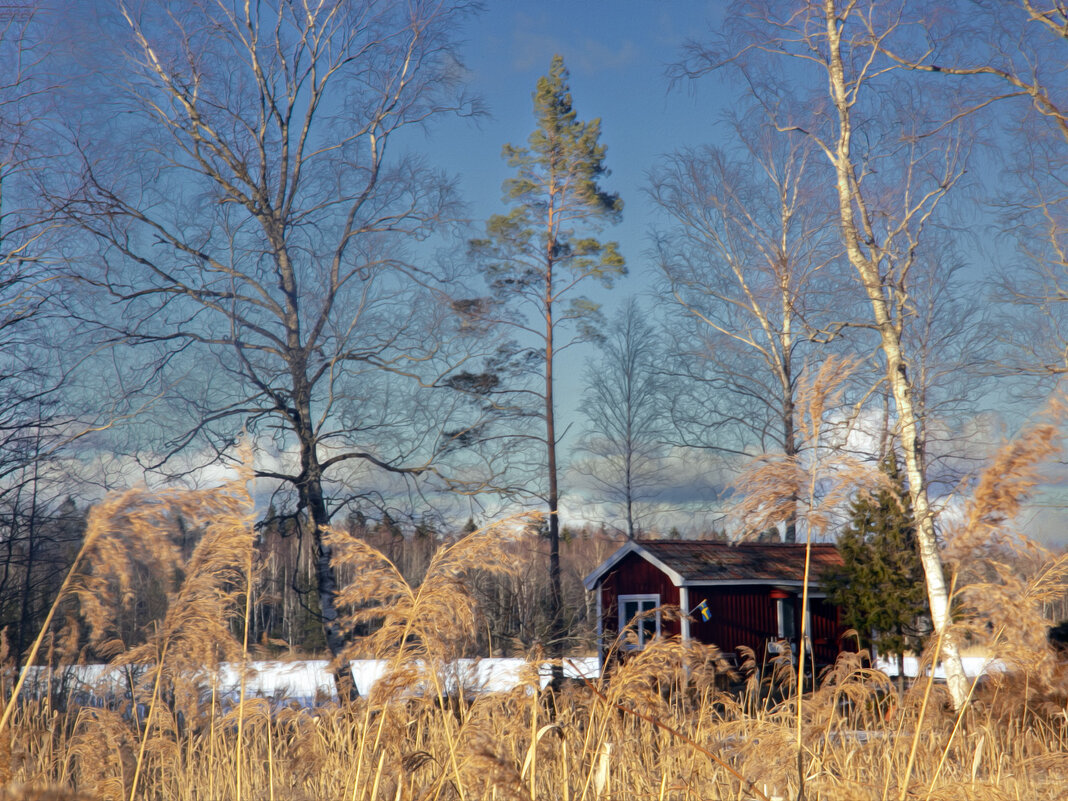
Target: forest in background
[{"x": 285, "y": 620}]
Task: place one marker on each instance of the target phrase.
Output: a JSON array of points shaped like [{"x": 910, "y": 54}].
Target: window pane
[
  {"x": 633, "y": 606},
  {"x": 786, "y": 616},
  {"x": 648, "y": 629}
]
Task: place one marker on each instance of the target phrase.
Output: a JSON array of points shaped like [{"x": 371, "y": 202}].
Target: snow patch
[{"x": 303, "y": 682}]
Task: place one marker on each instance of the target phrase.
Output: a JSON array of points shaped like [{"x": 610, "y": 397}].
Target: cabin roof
[{"x": 702, "y": 562}]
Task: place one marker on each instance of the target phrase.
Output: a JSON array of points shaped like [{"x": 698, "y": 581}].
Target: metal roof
[{"x": 696, "y": 562}]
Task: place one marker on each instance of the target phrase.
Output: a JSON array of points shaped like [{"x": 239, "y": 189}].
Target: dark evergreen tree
[{"x": 881, "y": 588}]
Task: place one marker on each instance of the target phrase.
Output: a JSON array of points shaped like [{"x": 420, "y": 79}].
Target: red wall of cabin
[
  {"x": 637, "y": 577},
  {"x": 742, "y": 615}
]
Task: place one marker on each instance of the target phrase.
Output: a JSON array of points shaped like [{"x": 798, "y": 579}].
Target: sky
[{"x": 618, "y": 54}]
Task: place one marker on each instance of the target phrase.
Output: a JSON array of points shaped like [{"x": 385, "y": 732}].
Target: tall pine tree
[
  {"x": 881, "y": 588},
  {"x": 538, "y": 256}
]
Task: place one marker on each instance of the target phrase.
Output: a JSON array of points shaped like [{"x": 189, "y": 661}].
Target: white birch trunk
[{"x": 866, "y": 258}]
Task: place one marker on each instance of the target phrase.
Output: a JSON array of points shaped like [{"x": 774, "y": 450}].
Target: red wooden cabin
[{"x": 752, "y": 591}]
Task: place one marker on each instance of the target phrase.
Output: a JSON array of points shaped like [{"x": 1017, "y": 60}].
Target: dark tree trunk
[
  {"x": 556, "y": 627},
  {"x": 311, "y": 495}
]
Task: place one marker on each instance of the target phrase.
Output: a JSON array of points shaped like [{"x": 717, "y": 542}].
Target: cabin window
[
  {"x": 787, "y": 619},
  {"x": 648, "y": 627}
]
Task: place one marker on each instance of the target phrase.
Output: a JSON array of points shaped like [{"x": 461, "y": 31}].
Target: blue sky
[{"x": 617, "y": 54}]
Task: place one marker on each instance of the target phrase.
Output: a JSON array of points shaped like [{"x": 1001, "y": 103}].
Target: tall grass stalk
[
  {"x": 87, "y": 545},
  {"x": 801, "y": 666},
  {"x": 149, "y": 720},
  {"x": 246, "y": 620},
  {"x": 211, "y": 734},
  {"x": 918, "y": 733},
  {"x": 531, "y": 762},
  {"x": 270, "y": 759},
  {"x": 378, "y": 775},
  {"x": 361, "y": 749}
]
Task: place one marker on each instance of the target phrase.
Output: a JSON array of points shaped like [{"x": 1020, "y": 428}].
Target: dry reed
[{"x": 671, "y": 722}]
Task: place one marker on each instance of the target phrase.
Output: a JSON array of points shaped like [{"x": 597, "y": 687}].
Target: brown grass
[
  {"x": 657, "y": 732},
  {"x": 671, "y": 722}
]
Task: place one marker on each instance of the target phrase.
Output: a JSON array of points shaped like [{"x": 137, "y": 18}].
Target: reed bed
[
  {"x": 660, "y": 728},
  {"x": 671, "y": 722}
]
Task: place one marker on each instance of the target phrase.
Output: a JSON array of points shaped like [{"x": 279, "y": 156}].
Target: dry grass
[
  {"x": 670, "y": 723},
  {"x": 646, "y": 734}
]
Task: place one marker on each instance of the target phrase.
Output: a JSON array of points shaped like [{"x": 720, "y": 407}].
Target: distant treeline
[{"x": 38, "y": 549}]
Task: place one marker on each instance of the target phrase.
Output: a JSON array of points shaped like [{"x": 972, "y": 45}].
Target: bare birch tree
[
  {"x": 623, "y": 404},
  {"x": 747, "y": 258},
  {"x": 889, "y": 179},
  {"x": 1010, "y": 61},
  {"x": 254, "y": 237}
]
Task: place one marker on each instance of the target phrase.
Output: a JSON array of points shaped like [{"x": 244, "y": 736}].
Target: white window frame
[{"x": 647, "y": 602}]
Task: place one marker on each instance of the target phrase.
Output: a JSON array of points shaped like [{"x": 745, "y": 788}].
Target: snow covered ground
[
  {"x": 307, "y": 682},
  {"x": 973, "y": 666}
]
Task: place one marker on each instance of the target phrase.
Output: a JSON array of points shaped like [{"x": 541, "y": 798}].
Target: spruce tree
[
  {"x": 539, "y": 256},
  {"x": 881, "y": 588}
]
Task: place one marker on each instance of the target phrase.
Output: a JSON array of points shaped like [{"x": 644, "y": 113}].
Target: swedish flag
[{"x": 703, "y": 610}]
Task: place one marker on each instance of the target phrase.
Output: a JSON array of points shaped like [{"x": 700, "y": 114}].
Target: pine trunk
[{"x": 556, "y": 633}]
